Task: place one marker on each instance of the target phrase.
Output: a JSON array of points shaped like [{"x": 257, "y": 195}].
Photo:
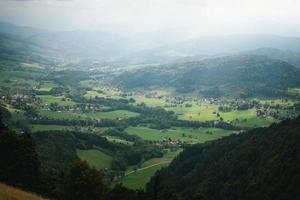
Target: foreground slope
[
  {"x": 11, "y": 193},
  {"x": 261, "y": 164}
]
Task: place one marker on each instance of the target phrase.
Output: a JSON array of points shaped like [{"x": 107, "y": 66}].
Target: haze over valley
[{"x": 158, "y": 100}]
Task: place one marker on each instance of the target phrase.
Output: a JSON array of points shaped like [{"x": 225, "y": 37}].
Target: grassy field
[
  {"x": 91, "y": 115},
  {"x": 255, "y": 122},
  {"x": 112, "y": 114},
  {"x": 188, "y": 135},
  {"x": 47, "y": 99},
  {"x": 103, "y": 92},
  {"x": 47, "y": 86},
  {"x": 17, "y": 75},
  {"x": 102, "y": 129},
  {"x": 138, "y": 179},
  {"x": 202, "y": 112},
  {"x": 17, "y": 115},
  {"x": 152, "y": 102},
  {"x": 118, "y": 140},
  {"x": 61, "y": 115},
  {"x": 93, "y": 94},
  {"x": 168, "y": 157},
  {"x": 11, "y": 193},
  {"x": 205, "y": 111},
  {"x": 247, "y": 118},
  {"x": 41, "y": 127},
  {"x": 95, "y": 158}
]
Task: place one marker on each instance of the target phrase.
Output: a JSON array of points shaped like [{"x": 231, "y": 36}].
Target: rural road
[{"x": 146, "y": 167}]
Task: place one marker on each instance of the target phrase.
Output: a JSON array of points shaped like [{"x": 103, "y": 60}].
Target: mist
[{"x": 190, "y": 18}]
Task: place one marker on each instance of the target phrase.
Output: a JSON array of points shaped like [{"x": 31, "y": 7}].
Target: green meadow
[
  {"x": 46, "y": 86},
  {"x": 152, "y": 102},
  {"x": 60, "y": 100},
  {"x": 95, "y": 158},
  {"x": 103, "y": 92},
  {"x": 137, "y": 179},
  {"x": 201, "y": 112},
  {"x": 112, "y": 114},
  {"x": 247, "y": 118},
  {"x": 60, "y": 115},
  {"x": 115, "y": 139},
  {"x": 16, "y": 114},
  {"x": 122, "y": 114},
  {"x": 17, "y": 75},
  {"x": 188, "y": 135},
  {"x": 42, "y": 127}
]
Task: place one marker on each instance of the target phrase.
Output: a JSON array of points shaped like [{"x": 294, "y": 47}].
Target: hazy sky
[{"x": 201, "y": 16}]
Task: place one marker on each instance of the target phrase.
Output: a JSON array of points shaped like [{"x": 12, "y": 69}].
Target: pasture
[
  {"x": 188, "y": 135},
  {"x": 60, "y": 115},
  {"x": 246, "y": 118},
  {"x": 152, "y": 102},
  {"x": 17, "y": 115},
  {"x": 205, "y": 111},
  {"x": 104, "y": 93},
  {"x": 95, "y": 158},
  {"x": 137, "y": 179},
  {"x": 121, "y": 114},
  {"x": 197, "y": 112},
  {"x": 117, "y": 114},
  {"x": 60, "y": 100},
  {"x": 41, "y": 127},
  {"x": 115, "y": 139},
  {"x": 18, "y": 75},
  {"x": 46, "y": 86}
]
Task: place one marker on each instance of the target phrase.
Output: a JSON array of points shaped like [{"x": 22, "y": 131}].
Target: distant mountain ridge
[
  {"x": 16, "y": 48},
  {"x": 22, "y": 31},
  {"x": 151, "y": 48},
  {"x": 234, "y": 43},
  {"x": 82, "y": 44}
]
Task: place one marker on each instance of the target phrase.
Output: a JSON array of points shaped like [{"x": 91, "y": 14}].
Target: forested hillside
[
  {"x": 261, "y": 164},
  {"x": 244, "y": 76},
  {"x": 291, "y": 57}
]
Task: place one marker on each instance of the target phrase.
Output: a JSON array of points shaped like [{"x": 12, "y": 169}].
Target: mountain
[
  {"x": 263, "y": 164},
  {"x": 62, "y": 44},
  {"x": 82, "y": 44},
  {"x": 236, "y": 75},
  {"x": 157, "y": 47},
  {"x": 213, "y": 45},
  {"x": 168, "y": 47},
  {"x": 15, "y": 45},
  {"x": 21, "y": 31},
  {"x": 291, "y": 57},
  {"x": 17, "y": 48}
]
